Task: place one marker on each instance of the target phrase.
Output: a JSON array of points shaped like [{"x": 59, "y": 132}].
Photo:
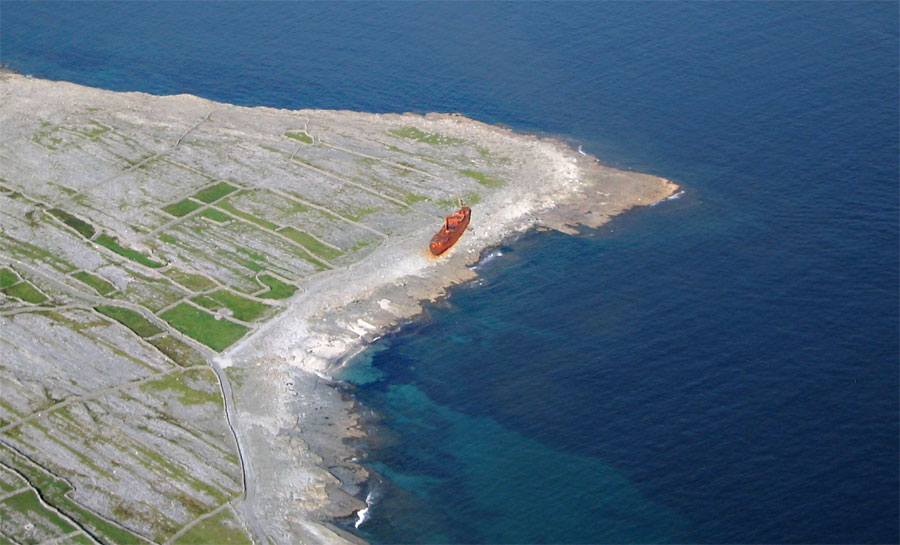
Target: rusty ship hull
[{"x": 454, "y": 226}]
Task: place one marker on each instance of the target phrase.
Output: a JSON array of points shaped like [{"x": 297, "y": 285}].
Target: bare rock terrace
[{"x": 178, "y": 278}]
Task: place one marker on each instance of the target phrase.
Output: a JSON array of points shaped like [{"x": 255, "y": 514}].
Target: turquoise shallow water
[
  {"x": 718, "y": 368},
  {"x": 492, "y": 461}
]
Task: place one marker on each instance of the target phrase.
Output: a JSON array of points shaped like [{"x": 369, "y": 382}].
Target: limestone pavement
[{"x": 178, "y": 279}]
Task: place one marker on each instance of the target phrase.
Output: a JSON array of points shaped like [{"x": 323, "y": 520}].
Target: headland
[{"x": 180, "y": 278}]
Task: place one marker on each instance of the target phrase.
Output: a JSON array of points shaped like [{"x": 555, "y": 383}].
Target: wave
[
  {"x": 670, "y": 197},
  {"x": 486, "y": 257},
  {"x": 364, "y": 514},
  {"x": 580, "y": 150},
  {"x": 492, "y": 255}
]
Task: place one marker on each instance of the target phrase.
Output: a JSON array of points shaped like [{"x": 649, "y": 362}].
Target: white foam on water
[
  {"x": 485, "y": 259},
  {"x": 670, "y": 197},
  {"x": 492, "y": 255},
  {"x": 581, "y": 151},
  {"x": 363, "y": 514}
]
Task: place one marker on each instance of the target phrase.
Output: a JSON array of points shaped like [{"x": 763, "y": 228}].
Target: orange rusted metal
[{"x": 453, "y": 228}]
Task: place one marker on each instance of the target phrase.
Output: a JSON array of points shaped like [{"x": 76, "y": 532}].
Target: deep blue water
[{"x": 718, "y": 368}]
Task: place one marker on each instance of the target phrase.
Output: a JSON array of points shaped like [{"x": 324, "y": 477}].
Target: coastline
[
  {"x": 131, "y": 162},
  {"x": 342, "y": 313},
  {"x": 716, "y": 367}
]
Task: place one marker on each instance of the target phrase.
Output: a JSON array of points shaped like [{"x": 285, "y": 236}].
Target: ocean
[{"x": 718, "y": 368}]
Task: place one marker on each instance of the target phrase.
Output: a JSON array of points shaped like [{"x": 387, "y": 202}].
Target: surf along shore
[
  {"x": 341, "y": 313},
  {"x": 294, "y": 238}
]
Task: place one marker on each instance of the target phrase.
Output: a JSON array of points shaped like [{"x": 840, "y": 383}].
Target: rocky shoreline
[
  {"x": 344, "y": 315},
  {"x": 268, "y": 245}
]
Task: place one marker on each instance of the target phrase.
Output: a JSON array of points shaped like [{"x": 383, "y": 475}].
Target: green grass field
[
  {"x": 244, "y": 309},
  {"x": 221, "y": 529},
  {"x": 130, "y": 319},
  {"x": 84, "y": 228},
  {"x": 182, "y": 208},
  {"x": 203, "y": 326},
  {"x": 100, "y": 285},
  {"x": 277, "y": 288},
  {"x": 113, "y": 244},
  {"x": 26, "y": 292},
  {"x": 193, "y": 282},
  {"x": 299, "y": 135},
  {"x": 215, "y": 192},
  {"x": 7, "y": 278},
  {"x": 215, "y": 215},
  {"x": 310, "y": 243}
]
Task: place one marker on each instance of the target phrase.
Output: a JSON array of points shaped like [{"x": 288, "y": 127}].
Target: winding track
[{"x": 248, "y": 480}]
